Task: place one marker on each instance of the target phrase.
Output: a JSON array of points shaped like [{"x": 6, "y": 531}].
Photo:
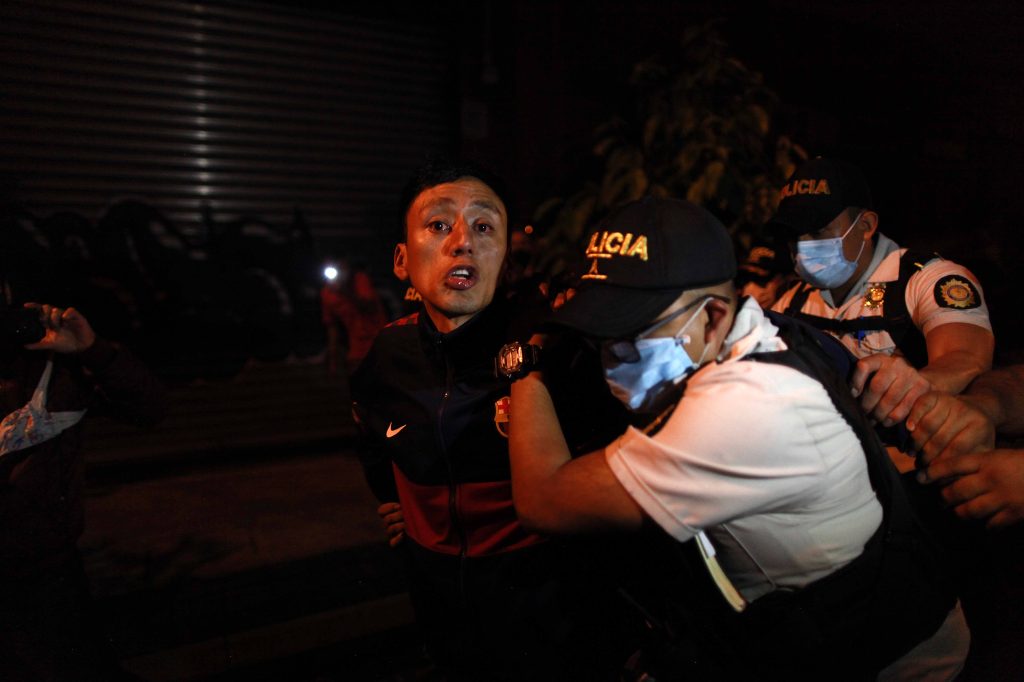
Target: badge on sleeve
[{"x": 953, "y": 291}]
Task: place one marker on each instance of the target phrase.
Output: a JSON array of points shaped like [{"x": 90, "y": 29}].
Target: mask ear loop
[
  {"x": 682, "y": 338},
  {"x": 848, "y": 231}
]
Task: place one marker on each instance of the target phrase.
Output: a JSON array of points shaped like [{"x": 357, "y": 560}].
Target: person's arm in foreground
[
  {"x": 956, "y": 437},
  {"x": 944, "y": 426},
  {"x": 999, "y": 394},
  {"x": 888, "y": 386},
  {"x": 126, "y": 389},
  {"x": 982, "y": 485},
  {"x": 552, "y": 492}
]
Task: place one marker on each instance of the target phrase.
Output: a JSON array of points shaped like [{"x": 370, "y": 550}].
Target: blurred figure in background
[
  {"x": 764, "y": 274},
  {"x": 518, "y": 266},
  {"x": 352, "y": 313},
  {"x": 54, "y": 368}
]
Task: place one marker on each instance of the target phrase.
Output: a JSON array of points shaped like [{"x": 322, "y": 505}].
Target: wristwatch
[{"x": 515, "y": 360}]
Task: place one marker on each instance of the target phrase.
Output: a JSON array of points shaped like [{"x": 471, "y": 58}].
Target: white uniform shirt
[
  {"x": 937, "y": 294},
  {"x": 757, "y": 455}
]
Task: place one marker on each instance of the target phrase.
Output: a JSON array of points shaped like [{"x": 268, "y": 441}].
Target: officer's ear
[
  {"x": 401, "y": 255},
  {"x": 869, "y": 224},
  {"x": 719, "y": 319}
]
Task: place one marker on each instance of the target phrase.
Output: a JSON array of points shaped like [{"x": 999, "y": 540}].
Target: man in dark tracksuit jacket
[
  {"x": 491, "y": 598},
  {"x": 486, "y": 591}
]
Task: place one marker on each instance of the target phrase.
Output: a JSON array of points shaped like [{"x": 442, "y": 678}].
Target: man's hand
[
  {"x": 394, "y": 523},
  {"x": 945, "y": 426},
  {"x": 984, "y": 485},
  {"x": 888, "y": 387},
  {"x": 67, "y": 330}
]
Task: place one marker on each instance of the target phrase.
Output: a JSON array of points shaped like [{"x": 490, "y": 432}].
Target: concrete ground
[
  {"x": 239, "y": 541},
  {"x": 202, "y": 573}
]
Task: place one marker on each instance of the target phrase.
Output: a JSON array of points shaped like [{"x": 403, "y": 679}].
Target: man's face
[
  {"x": 454, "y": 249},
  {"x": 853, "y": 242},
  {"x": 764, "y": 290}
]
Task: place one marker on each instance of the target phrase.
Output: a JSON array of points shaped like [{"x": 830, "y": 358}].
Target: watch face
[{"x": 510, "y": 359}]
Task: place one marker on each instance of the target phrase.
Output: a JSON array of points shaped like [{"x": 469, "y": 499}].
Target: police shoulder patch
[{"x": 954, "y": 291}]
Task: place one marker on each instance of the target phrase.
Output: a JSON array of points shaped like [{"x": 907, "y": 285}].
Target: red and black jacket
[
  {"x": 434, "y": 422},
  {"x": 494, "y": 601}
]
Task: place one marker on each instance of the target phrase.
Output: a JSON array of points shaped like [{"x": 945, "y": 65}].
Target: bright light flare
[{"x": 331, "y": 273}]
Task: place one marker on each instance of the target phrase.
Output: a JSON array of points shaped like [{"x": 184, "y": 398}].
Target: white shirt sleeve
[
  {"x": 746, "y": 438},
  {"x": 944, "y": 292}
]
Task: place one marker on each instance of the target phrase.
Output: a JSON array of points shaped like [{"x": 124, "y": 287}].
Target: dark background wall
[
  {"x": 238, "y": 108},
  {"x": 261, "y": 108},
  {"x": 916, "y": 92},
  {"x": 925, "y": 96}
]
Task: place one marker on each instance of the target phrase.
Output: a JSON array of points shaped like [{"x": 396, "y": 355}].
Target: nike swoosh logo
[{"x": 394, "y": 432}]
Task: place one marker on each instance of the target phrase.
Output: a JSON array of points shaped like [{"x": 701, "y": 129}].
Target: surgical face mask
[
  {"x": 637, "y": 372},
  {"x": 822, "y": 263}
]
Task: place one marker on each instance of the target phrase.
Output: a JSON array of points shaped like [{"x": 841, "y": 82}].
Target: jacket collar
[{"x": 475, "y": 341}]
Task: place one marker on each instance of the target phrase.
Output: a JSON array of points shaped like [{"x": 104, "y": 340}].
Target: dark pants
[{"x": 522, "y": 616}]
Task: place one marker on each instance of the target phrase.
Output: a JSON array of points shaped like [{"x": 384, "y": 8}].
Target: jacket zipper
[{"x": 452, "y": 499}]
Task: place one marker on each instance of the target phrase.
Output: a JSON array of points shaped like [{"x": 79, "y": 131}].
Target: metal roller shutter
[{"x": 250, "y": 109}]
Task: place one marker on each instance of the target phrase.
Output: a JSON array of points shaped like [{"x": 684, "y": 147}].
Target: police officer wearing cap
[
  {"x": 765, "y": 274},
  {"x": 747, "y": 450},
  {"x": 895, "y": 309}
]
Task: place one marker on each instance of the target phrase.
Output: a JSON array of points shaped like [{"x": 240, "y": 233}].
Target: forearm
[
  {"x": 554, "y": 493},
  {"x": 130, "y": 391},
  {"x": 537, "y": 450},
  {"x": 999, "y": 394},
  {"x": 373, "y": 456},
  {"x": 954, "y": 371},
  {"x": 957, "y": 353},
  {"x": 380, "y": 478}
]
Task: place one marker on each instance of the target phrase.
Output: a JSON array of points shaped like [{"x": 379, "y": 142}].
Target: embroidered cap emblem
[
  {"x": 805, "y": 186},
  {"x": 604, "y": 245}
]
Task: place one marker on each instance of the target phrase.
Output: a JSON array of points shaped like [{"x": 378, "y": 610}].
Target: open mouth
[{"x": 461, "y": 277}]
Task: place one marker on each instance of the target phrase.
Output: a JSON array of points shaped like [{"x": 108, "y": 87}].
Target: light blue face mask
[
  {"x": 662, "y": 363},
  {"x": 822, "y": 263}
]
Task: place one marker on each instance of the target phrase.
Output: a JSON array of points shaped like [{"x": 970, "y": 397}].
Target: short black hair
[{"x": 438, "y": 170}]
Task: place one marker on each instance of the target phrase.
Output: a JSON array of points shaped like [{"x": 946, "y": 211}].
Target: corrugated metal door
[{"x": 249, "y": 109}]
